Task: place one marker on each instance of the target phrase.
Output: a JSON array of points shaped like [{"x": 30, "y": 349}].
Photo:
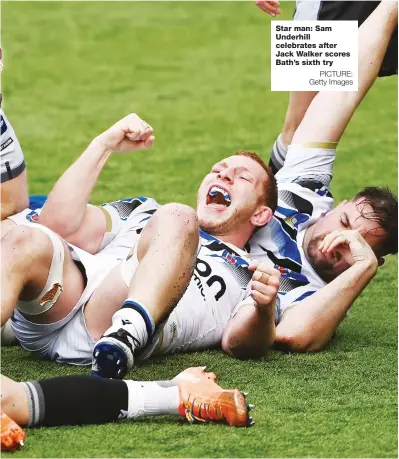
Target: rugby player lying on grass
[
  {"x": 137, "y": 249},
  {"x": 291, "y": 240},
  {"x": 326, "y": 256},
  {"x": 192, "y": 394}
]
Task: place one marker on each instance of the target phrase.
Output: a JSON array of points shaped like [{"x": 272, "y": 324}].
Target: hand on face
[
  {"x": 269, "y": 7},
  {"x": 359, "y": 249},
  {"x": 128, "y": 134},
  {"x": 265, "y": 284}
]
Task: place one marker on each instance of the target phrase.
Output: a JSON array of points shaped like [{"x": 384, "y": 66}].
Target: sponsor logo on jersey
[
  {"x": 233, "y": 260},
  {"x": 6, "y": 143},
  {"x": 3, "y": 125},
  {"x": 33, "y": 217}
]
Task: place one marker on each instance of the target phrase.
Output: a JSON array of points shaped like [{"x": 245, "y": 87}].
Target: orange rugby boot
[
  {"x": 12, "y": 436},
  {"x": 206, "y": 401},
  {"x": 195, "y": 374}
]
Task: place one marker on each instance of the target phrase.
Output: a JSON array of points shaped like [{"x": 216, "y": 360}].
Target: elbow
[
  {"x": 242, "y": 350},
  {"x": 297, "y": 342}
]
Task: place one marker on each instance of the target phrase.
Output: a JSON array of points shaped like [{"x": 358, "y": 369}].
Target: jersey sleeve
[
  {"x": 306, "y": 163},
  {"x": 130, "y": 214},
  {"x": 288, "y": 300},
  {"x": 11, "y": 155}
]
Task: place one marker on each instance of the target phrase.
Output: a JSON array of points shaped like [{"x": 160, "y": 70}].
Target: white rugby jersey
[
  {"x": 221, "y": 273},
  {"x": 303, "y": 198},
  {"x": 12, "y": 162}
]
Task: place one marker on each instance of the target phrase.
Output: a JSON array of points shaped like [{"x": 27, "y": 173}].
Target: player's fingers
[
  {"x": 133, "y": 134},
  {"x": 268, "y": 6},
  {"x": 149, "y": 141},
  {"x": 265, "y": 273},
  {"x": 268, "y": 290},
  {"x": 340, "y": 240},
  {"x": 253, "y": 265},
  {"x": 146, "y": 131},
  {"x": 328, "y": 239},
  {"x": 260, "y": 298}
]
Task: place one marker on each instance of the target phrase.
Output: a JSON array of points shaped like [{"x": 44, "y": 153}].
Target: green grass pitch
[{"x": 199, "y": 72}]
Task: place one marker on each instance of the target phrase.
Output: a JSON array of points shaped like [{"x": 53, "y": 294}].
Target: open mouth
[{"x": 217, "y": 195}]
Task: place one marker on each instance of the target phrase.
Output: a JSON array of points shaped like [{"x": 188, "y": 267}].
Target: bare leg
[
  {"x": 26, "y": 256},
  {"x": 14, "y": 401},
  {"x": 6, "y": 226},
  {"x": 166, "y": 255},
  {"x": 166, "y": 252},
  {"x": 297, "y": 106},
  {"x": 14, "y": 196}
]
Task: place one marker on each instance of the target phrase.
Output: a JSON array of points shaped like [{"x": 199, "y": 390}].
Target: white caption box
[{"x": 314, "y": 55}]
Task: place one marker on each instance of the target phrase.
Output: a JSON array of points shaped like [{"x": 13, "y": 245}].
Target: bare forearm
[
  {"x": 310, "y": 325},
  {"x": 65, "y": 208},
  {"x": 251, "y": 333}
]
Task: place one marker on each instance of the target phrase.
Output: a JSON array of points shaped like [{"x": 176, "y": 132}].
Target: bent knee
[
  {"x": 27, "y": 240},
  {"x": 179, "y": 217}
]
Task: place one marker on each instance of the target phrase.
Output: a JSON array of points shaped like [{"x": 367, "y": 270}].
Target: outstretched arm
[
  {"x": 330, "y": 112},
  {"x": 251, "y": 332},
  {"x": 67, "y": 211}
]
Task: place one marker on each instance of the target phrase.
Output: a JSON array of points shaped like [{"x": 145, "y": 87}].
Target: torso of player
[
  {"x": 221, "y": 273},
  {"x": 280, "y": 242},
  {"x": 219, "y": 283}
]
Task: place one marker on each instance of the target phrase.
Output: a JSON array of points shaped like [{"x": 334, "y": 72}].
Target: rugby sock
[
  {"x": 136, "y": 319},
  {"x": 278, "y": 154},
  {"x": 147, "y": 398},
  {"x": 69, "y": 400},
  {"x": 75, "y": 400}
]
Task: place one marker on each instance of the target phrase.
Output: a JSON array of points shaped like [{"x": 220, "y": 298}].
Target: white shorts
[
  {"x": 11, "y": 156},
  {"x": 68, "y": 341}
]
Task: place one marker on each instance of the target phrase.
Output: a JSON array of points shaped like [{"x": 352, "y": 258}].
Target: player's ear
[
  {"x": 262, "y": 216},
  {"x": 381, "y": 261}
]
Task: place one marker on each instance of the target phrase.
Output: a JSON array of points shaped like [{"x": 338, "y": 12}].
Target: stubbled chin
[{"x": 216, "y": 207}]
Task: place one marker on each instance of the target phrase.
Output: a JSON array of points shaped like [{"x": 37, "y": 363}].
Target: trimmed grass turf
[{"x": 199, "y": 73}]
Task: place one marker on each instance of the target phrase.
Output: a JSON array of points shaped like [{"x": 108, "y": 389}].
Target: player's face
[
  {"x": 230, "y": 195},
  {"x": 346, "y": 216}
]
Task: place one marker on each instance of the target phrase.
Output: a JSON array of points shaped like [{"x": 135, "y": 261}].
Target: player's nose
[{"x": 227, "y": 175}]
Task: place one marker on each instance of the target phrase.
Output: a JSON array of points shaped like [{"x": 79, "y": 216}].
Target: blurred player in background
[
  {"x": 322, "y": 11},
  {"x": 14, "y": 185}
]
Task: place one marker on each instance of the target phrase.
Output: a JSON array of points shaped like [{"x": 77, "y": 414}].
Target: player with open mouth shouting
[{"x": 182, "y": 295}]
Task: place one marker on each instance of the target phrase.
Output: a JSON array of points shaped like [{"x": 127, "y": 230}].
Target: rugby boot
[
  {"x": 205, "y": 401},
  {"x": 12, "y": 436},
  {"x": 113, "y": 353},
  {"x": 194, "y": 374}
]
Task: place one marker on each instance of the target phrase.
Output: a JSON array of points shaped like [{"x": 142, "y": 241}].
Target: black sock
[{"x": 75, "y": 400}]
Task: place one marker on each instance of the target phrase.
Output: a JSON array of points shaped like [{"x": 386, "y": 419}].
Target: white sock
[
  {"x": 135, "y": 319},
  {"x": 136, "y": 326},
  {"x": 147, "y": 398}
]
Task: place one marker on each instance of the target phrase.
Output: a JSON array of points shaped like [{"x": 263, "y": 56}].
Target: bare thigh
[{"x": 105, "y": 301}]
